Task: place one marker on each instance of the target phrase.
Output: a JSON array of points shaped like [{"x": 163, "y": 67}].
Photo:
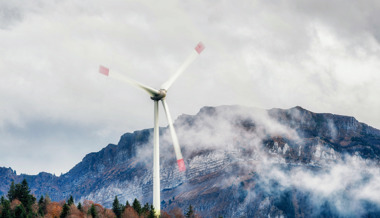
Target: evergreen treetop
[
  {"x": 65, "y": 211},
  {"x": 93, "y": 212},
  {"x": 137, "y": 206},
  {"x": 152, "y": 212},
  {"x": 41, "y": 201},
  {"x": 117, "y": 208},
  {"x": 22, "y": 193},
  {"x": 190, "y": 212},
  {"x": 79, "y": 206},
  {"x": 70, "y": 201},
  {"x": 145, "y": 208},
  {"x": 12, "y": 191}
]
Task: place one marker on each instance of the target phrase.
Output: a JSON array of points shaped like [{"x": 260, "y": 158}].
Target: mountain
[{"x": 241, "y": 162}]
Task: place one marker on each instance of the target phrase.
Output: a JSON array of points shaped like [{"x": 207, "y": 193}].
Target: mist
[{"x": 261, "y": 148}]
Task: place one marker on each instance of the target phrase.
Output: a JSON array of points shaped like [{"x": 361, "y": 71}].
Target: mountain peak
[
  {"x": 298, "y": 108},
  {"x": 224, "y": 148}
]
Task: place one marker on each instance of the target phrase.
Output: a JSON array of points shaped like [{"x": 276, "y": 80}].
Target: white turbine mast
[{"x": 156, "y": 96}]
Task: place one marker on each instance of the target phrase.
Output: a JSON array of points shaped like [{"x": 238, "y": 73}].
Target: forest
[{"x": 20, "y": 203}]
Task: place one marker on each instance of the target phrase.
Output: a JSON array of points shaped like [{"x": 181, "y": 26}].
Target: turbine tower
[{"x": 156, "y": 96}]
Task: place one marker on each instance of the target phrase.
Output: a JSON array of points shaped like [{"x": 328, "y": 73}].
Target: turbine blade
[
  {"x": 197, "y": 51},
  {"x": 105, "y": 71},
  {"x": 177, "y": 149}
]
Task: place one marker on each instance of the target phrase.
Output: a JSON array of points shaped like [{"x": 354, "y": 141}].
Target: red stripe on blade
[
  {"x": 104, "y": 70},
  {"x": 181, "y": 165},
  {"x": 199, "y": 48}
]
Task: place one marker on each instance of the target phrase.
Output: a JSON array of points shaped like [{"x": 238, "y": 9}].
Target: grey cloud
[
  {"x": 348, "y": 20},
  {"x": 45, "y": 145},
  {"x": 258, "y": 54},
  {"x": 8, "y": 15}
]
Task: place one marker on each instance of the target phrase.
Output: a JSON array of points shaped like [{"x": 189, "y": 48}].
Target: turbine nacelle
[{"x": 161, "y": 95}]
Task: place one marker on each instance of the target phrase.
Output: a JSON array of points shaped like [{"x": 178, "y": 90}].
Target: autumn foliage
[
  {"x": 21, "y": 203},
  {"x": 15, "y": 203},
  {"x": 129, "y": 212},
  {"x": 53, "y": 209}
]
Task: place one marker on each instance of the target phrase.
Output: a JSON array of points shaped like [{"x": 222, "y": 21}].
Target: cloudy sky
[{"x": 56, "y": 107}]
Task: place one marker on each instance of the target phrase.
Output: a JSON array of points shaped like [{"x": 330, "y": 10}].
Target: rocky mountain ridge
[{"x": 240, "y": 162}]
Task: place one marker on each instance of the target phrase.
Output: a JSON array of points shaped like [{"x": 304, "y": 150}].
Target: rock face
[{"x": 241, "y": 162}]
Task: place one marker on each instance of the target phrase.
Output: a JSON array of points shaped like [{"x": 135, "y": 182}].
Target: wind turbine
[{"x": 156, "y": 96}]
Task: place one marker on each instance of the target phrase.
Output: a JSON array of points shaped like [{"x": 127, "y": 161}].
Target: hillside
[{"x": 241, "y": 162}]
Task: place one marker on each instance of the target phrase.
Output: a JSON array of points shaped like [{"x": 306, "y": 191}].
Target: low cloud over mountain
[{"x": 241, "y": 162}]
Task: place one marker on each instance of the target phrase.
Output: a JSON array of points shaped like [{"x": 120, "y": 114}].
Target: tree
[
  {"x": 70, "y": 201},
  {"x": 92, "y": 211},
  {"x": 152, "y": 212},
  {"x": 190, "y": 212},
  {"x": 41, "y": 201},
  {"x": 129, "y": 212},
  {"x": 6, "y": 211},
  {"x": 20, "y": 211},
  {"x": 75, "y": 212},
  {"x": 108, "y": 213},
  {"x": 145, "y": 209},
  {"x": 22, "y": 193},
  {"x": 127, "y": 204},
  {"x": 12, "y": 192},
  {"x": 53, "y": 209},
  {"x": 117, "y": 207},
  {"x": 79, "y": 206},
  {"x": 41, "y": 206},
  {"x": 47, "y": 199},
  {"x": 137, "y": 206},
  {"x": 65, "y": 211}
]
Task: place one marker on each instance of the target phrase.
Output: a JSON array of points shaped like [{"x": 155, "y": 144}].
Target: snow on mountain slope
[{"x": 240, "y": 162}]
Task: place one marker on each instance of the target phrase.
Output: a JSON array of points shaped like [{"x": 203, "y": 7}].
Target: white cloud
[{"x": 343, "y": 183}]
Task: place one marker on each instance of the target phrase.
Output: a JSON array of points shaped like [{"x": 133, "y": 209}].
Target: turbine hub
[{"x": 160, "y": 95}]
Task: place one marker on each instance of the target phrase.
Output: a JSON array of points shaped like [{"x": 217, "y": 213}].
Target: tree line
[{"x": 20, "y": 203}]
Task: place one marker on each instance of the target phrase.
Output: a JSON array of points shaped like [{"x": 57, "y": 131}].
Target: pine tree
[
  {"x": 41, "y": 206},
  {"x": 127, "y": 204},
  {"x": 93, "y": 212},
  {"x": 47, "y": 199},
  {"x": 79, "y": 206},
  {"x": 190, "y": 212},
  {"x": 22, "y": 193},
  {"x": 6, "y": 211},
  {"x": 65, "y": 211},
  {"x": 12, "y": 192},
  {"x": 137, "y": 206},
  {"x": 152, "y": 212},
  {"x": 70, "y": 201},
  {"x": 41, "y": 201},
  {"x": 117, "y": 207},
  {"x": 145, "y": 208},
  {"x": 20, "y": 211}
]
